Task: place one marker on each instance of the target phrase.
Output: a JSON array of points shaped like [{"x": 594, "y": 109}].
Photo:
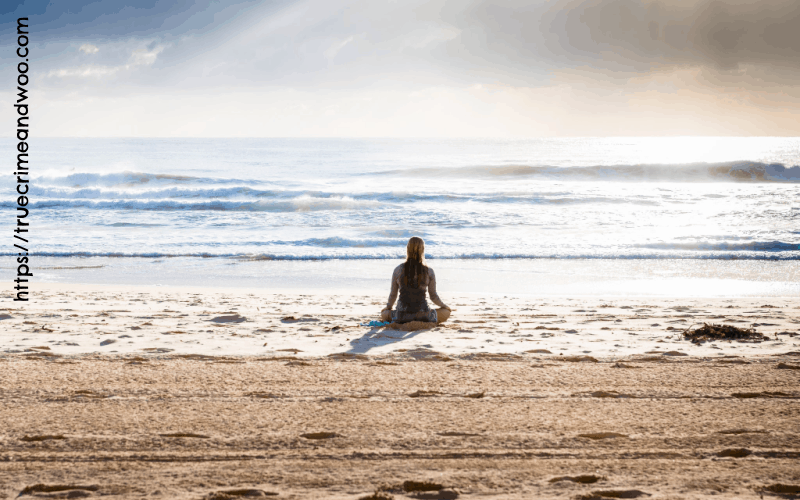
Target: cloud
[
  {"x": 138, "y": 57},
  {"x": 488, "y": 66},
  {"x": 422, "y": 42},
  {"x": 84, "y": 71},
  {"x": 145, "y": 57}
]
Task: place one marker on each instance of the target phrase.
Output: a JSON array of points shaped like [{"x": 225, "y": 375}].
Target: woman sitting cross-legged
[{"x": 412, "y": 279}]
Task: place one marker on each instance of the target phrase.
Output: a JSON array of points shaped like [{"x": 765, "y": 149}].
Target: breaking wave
[
  {"x": 125, "y": 179},
  {"x": 299, "y": 204},
  {"x": 399, "y": 255},
  {"x": 753, "y": 246},
  {"x": 737, "y": 171}
]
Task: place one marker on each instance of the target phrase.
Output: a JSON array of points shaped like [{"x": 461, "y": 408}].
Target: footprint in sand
[
  {"x": 229, "y": 318},
  {"x": 735, "y": 452},
  {"x": 378, "y": 495},
  {"x": 429, "y": 490},
  {"x": 602, "y": 435},
  {"x": 184, "y": 435},
  {"x": 765, "y": 394},
  {"x": 579, "y": 359},
  {"x": 244, "y": 492},
  {"x": 606, "y": 394},
  {"x": 583, "y": 479},
  {"x": 600, "y": 495},
  {"x": 320, "y": 435},
  {"x": 62, "y": 490},
  {"x": 424, "y": 394},
  {"x": 44, "y": 437},
  {"x": 475, "y": 395}
]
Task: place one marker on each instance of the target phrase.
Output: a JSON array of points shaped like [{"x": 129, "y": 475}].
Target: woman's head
[
  {"x": 415, "y": 250},
  {"x": 415, "y": 268}
]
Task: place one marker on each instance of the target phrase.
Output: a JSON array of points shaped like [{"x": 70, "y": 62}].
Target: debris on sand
[
  {"x": 721, "y": 332},
  {"x": 429, "y": 491},
  {"x": 735, "y": 452},
  {"x": 320, "y": 435},
  {"x": 786, "y": 366},
  {"x": 410, "y": 486},
  {"x": 599, "y": 495},
  {"x": 583, "y": 479},
  {"x": 783, "y": 490},
  {"x": 234, "y": 494}
]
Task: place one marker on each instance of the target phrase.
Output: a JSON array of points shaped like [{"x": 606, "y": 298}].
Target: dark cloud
[{"x": 629, "y": 36}]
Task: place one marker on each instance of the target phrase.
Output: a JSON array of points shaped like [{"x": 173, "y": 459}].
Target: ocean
[{"x": 715, "y": 216}]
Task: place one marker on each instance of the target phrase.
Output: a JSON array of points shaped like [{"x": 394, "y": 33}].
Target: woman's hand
[{"x": 385, "y": 309}]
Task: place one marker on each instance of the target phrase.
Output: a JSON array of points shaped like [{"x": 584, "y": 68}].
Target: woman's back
[
  {"x": 411, "y": 280},
  {"x": 411, "y": 303}
]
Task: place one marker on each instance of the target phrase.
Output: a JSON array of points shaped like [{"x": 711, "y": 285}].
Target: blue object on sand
[{"x": 376, "y": 323}]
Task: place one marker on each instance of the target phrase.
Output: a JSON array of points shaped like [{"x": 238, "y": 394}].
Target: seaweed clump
[{"x": 722, "y": 332}]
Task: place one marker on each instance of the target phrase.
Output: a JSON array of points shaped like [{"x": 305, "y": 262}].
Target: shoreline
[{"x": 515, "y": 277}]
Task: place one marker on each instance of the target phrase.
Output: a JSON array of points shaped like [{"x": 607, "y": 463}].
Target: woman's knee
[{"x": 442, "y": 315}]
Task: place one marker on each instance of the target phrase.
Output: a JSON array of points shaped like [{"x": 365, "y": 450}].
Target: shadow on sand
[{"x": 380, "y": 336}]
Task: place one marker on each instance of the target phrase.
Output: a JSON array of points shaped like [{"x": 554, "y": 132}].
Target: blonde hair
[{"x": 415, "y": 268}]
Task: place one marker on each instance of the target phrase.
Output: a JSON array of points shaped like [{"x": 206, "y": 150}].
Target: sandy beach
[
  {"x": 70, "y": 320},
  {"x": 127, "y": 392}
]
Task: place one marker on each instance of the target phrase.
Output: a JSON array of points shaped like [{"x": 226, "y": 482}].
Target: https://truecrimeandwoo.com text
[{"x": 21, "y": 234}]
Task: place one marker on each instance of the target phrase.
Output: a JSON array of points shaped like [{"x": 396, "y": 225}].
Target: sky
[{"x": 406, "y": 68}]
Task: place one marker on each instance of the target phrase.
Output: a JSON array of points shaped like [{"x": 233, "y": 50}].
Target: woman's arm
[
  {"x": 395, "y": 287},
  {"x": 432, "y": 290}
]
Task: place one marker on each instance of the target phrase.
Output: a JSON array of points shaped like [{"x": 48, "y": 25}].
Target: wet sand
[
  {"x": 328, "y": 409},
  {"x": 185, "y": 428}
]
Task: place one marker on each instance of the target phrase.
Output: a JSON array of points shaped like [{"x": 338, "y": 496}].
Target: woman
[{"x": 412, "y": 279}]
